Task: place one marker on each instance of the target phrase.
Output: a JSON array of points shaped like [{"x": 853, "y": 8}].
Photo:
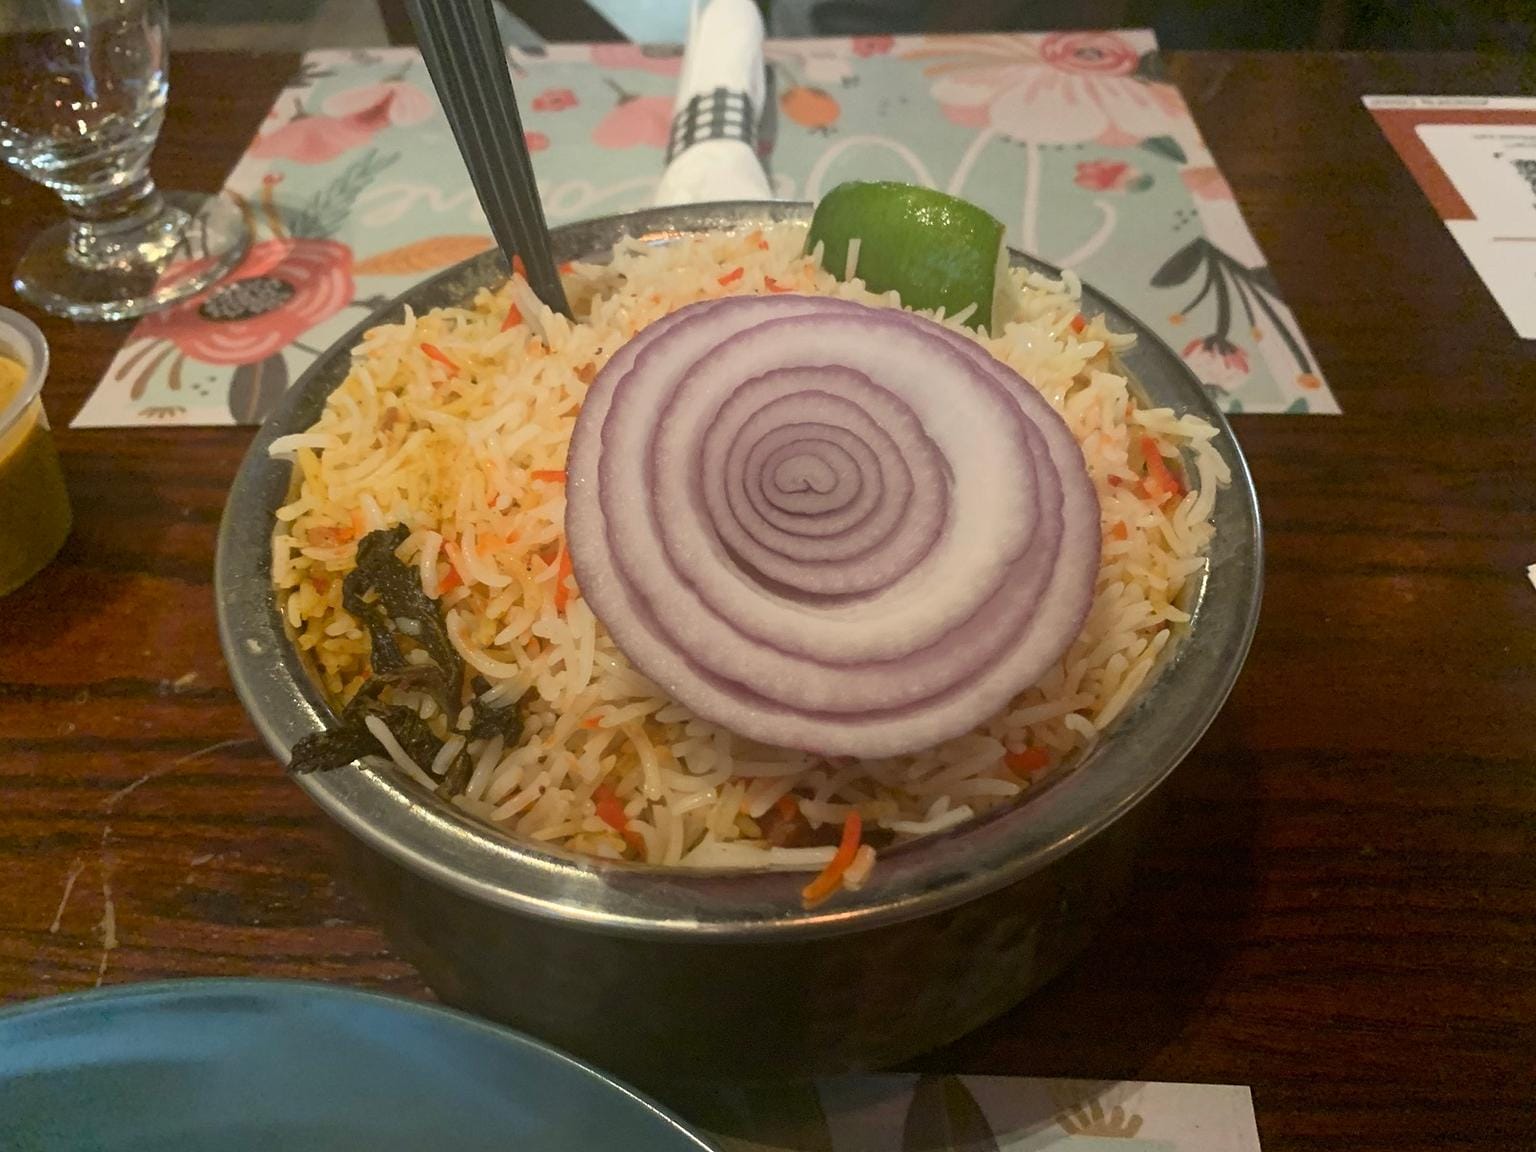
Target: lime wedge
[{"x": 934, "y": 249}]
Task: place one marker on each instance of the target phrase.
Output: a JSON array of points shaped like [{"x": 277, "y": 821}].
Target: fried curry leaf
[
  {"x": 333, "y": 748},
  {"x": 412, "y": 733},
  {"x": 386, "y": 596},
  {"x": 399, "y": 605},
  {"x": 427, "y": 678},
  {"x": 488, "y": 721},
  {"x": 506, "y": 722},
  {"x": 352, "y": 739},
  {"x": 456, "y": 779}
]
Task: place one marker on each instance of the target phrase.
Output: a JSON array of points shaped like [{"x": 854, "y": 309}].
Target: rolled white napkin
[{"x": 712, "y": 154}]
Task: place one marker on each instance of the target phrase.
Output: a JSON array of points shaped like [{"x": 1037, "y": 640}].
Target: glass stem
[{"x": 123, "y": 223}]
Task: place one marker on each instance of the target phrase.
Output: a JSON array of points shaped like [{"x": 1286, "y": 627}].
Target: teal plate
[{"x": 275, "y": 1066}]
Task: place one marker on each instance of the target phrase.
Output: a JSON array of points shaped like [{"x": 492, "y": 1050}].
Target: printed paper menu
[
  {"x": 1475, "y": 158},
  {"x": 947, "y": 1113}
]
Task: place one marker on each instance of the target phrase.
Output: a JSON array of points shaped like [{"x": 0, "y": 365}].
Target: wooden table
[{"x": 1341, "y": 911}]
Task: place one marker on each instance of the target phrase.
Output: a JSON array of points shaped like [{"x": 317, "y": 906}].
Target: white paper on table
[
  {"x": 1494, "y": 169},
  {"x": 1486, "y": 148},
  {"x": 999, "y": 1114}
]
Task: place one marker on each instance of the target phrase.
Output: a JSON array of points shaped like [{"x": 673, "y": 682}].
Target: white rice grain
[{"x": 456, "y": 466}]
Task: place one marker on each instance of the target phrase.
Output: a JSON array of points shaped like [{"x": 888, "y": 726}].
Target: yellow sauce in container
[{"x": 34, "y": 506}]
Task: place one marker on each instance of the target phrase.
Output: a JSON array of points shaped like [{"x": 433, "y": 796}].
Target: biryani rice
[{"x": 469, "y": 454}]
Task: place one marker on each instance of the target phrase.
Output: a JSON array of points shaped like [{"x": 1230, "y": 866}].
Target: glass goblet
[{"x": 82, "y": 97}]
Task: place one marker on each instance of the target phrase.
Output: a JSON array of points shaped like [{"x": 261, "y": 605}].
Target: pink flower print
[
  {"x": 662, "y": 59},
  {"x": 1102, "y": 175},
  {"x": 966, "y": 115},
  {"x": 873, "y": 45},
  {"x": 283, "y": 288},
  {"x": 536, "y": 141},
  {"x": 554, "y": 100},
  {"x": 1065, "y": 88},
  {"x": 1206, "y": 183},
  {"x": 1110, "y": 176},
  {"x": 635, "y": 121},
  {"x": 349, "y": 119},
  {"x": 1218, "y": 361},
  {"x": 393, "y": 102},
  {"x": 826, "y": 71},
  {"x": 308, "y": 139},
  {"x": 1090, "y": 53}
]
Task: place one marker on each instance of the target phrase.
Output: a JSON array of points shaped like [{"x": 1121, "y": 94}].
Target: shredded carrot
[
  {"x": 592, "y": 722},
  {"x": 1160, "y": 482},
  {"x": 328, "y": 535},
  {"x": 433, "y": 352},
  {"x": 611, "y": 812},
  {"x": 1029, "y": 760},
  {"x": 519, "y": 268},
  {"x": 488, "y": 470},
  {"x": 322, "y": 585},
  {"x": 562, "y": 570},
  {"x": 757, "y": 239},
  {"x": 553, "y": 475},
  {"x": 774, "y": 286},
  {"x": 1078, "y": 323},
  {"x": 831, "y": 877},
  {"x": 511, "y": 539},
  {"x": 567, "y": 268},
  {"x": 514, "y": 318},
  {"x": 449, "y": 582},
  {"x": 786, "y": 806},
  {"x": 1120, "y": 531},
  {"x": 732, "y": 276}
]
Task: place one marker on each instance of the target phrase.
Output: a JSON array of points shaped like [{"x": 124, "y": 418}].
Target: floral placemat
[
  {"x": 938, "y": 1113},
  {"x": 355, "y": 191}
]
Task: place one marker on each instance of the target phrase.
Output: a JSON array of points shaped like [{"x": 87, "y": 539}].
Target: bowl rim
[
  {"x": 25, "y": 339},
  {"x": 442, "y": 843}
]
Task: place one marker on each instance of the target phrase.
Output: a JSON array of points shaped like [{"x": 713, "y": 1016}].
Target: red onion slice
[
  {"x": 810, "y": 480},
  {"x": 828, "y": 526},
  {"x": 886, "y": 522},
  {"x": 992, "y": 512}
]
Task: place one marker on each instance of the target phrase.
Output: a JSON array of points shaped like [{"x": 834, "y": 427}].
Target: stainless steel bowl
[{"x": 649, "y": 971}]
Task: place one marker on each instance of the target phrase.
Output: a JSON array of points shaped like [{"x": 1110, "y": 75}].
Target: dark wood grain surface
[{"x": 1341, "y": 911}]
